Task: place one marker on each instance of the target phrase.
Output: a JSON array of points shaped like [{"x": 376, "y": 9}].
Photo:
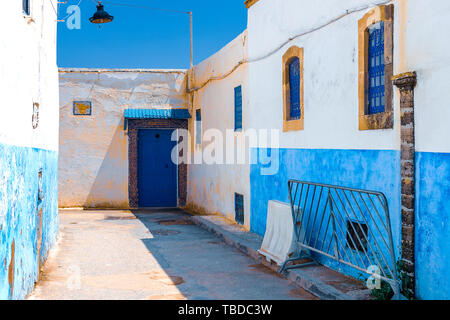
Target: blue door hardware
[{"x": 157, "y": 174}]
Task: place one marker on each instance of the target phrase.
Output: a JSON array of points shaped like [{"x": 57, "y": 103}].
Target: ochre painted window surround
[
  {"x": 249, "y": 3},
  {"x": 288, "y": 123},
  {"x": 381, "y": 120}
]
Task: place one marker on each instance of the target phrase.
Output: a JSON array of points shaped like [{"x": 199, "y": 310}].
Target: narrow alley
[
  {"x": 228, "y": 150},
  {"x": 151, "y": 255}
]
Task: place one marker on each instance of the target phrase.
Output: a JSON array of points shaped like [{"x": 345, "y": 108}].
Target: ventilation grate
[
  {"x": 357, "y": 235},
  {"x": 239, "y": 208}
]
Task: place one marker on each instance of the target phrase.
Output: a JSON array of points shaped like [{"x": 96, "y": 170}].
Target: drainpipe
[
  {"x": 406, "y": 83},
  {"x": 190, "y": 80}
]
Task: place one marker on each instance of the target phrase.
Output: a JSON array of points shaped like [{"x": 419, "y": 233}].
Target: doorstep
[{"x": 320, "y": 281}]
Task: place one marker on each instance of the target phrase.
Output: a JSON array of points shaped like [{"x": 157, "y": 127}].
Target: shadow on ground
[
  {"x": 202, "y": 266},
  {"x": 153, "y": 255}
]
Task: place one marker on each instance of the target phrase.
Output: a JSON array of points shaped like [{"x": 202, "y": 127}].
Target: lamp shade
[{"x": 101, "y": 16}]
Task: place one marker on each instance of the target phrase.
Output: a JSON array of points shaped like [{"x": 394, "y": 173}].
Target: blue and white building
[
  {"x": 28, "y": 142},
  {"x": 333, "y": 145},
  {"x": 320, "y": 73}
]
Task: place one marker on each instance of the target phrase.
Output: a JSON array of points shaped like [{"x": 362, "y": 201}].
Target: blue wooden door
[{"x": 157, "y": 174}]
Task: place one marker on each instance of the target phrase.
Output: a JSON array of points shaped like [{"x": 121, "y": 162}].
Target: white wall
[
  {"x": 328, "y": 32},
  {"x": 426, "y": 50},
  {"x": 28, "y": 73},
  {"x": 330, "y": 73},
  {"x": 93, "y": 163},
  {"x": 331, "y": 70},
  {"x": 28, "y": 157},
  {"x": 211, "y": 188}
]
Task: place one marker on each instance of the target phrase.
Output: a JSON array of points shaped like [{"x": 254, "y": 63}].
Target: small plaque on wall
[{"x": 82, "y": 108}]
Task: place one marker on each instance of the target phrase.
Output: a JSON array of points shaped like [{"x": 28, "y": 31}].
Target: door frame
[{"x": 134, "y": 125}]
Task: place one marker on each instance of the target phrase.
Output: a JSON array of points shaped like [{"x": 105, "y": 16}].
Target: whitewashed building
[
  {"x": 28, "y": 142},
  {"x": 344, "y": 138},
  {"x": 355, "y": 92}
]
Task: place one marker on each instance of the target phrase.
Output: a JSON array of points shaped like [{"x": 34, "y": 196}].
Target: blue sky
[{"x": 139, "y": 38}]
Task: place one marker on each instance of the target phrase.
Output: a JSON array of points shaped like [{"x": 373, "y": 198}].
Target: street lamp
[{"x": 101, "y": 16}]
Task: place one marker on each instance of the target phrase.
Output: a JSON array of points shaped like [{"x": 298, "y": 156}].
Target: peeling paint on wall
[
  {"x": 28, "y": 143},
  {"x": 21, "y": 252}
]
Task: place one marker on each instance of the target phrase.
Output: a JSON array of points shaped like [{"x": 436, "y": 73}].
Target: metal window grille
[
  {"x": 238, "y": 108},
  {"x": 376, "y": 98},
  {"x": 198, "y": 126},
  {"x": 239, "y": 208},
  {"x": 26, "y": 7},
  {"x": 294, "y": 91}
]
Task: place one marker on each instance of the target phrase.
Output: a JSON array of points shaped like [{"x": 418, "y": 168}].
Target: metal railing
[{"x": 347, "y": 225}]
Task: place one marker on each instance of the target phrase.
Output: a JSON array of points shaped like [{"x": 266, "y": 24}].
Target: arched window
[
  {"x": 376, "y": 68},
  {"x": 293, "y": 89},
  {"x": 375, "y": 33}
]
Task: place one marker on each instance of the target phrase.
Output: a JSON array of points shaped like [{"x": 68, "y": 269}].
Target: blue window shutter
[
  {"x": 238, "y": 108},
  {"x": 294, "y": 91},
  {"x": 376, "y": 96},
  {"x": 198, "y": 126},
  {"x": 26, "y": 7}
]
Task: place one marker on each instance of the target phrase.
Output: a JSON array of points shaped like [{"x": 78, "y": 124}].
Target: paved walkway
[{"x": 151, "y": 255}]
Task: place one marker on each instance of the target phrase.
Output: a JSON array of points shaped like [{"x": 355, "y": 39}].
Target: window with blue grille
[
  {"x": 239, "y": 208},
  {"x": 238, "y": 108},
  {"x": 376, "y": 99},
  {"x": 26, "y": 7},
  {"x": 198, "y": 126},
  {"x": 294, "y": 89}
]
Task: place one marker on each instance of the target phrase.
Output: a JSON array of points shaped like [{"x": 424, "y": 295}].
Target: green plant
[
  {"x": 405, "y": 280},
  {"x": 384, "y": 293}
]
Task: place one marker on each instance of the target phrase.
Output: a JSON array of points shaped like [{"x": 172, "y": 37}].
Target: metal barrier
[{"x": 347, "y": 225}]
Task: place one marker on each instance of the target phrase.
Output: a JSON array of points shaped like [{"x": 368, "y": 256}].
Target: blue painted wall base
[
  {"x": 377, "y": 170},
  {"x": 19, "y": 208},
  {"x": 433, "y": 225}
]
